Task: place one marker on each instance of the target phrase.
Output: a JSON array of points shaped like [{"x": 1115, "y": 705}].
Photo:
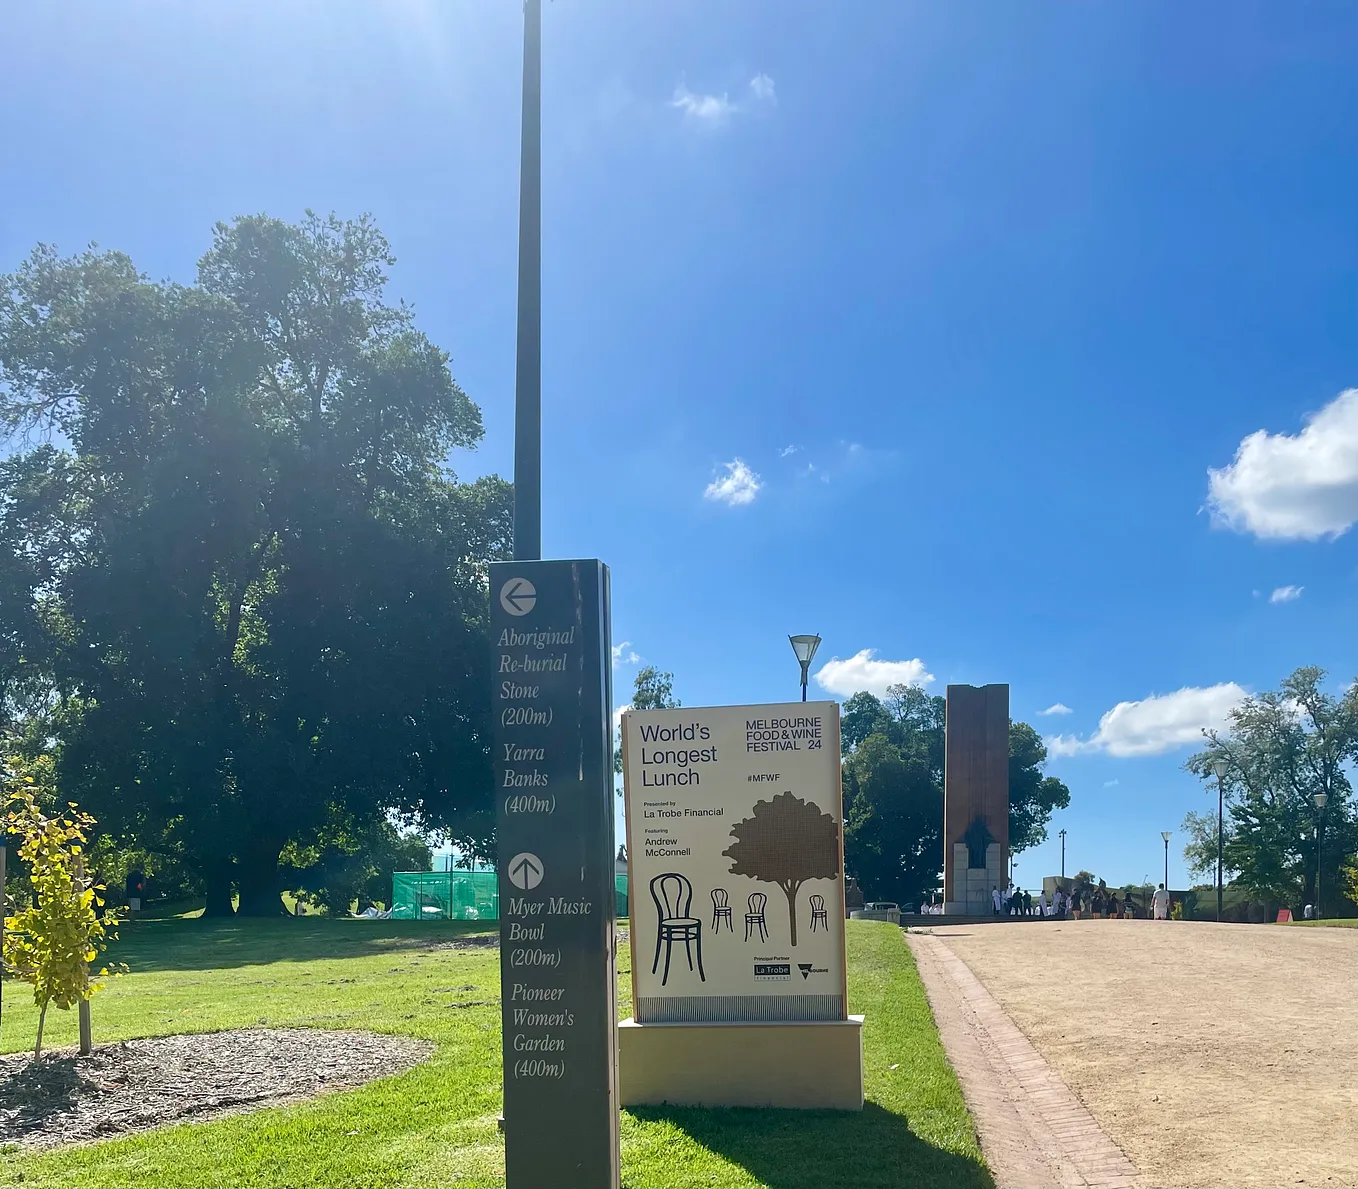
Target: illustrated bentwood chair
[
  {"x": 818, "y": 913},
  {"x": 754, "y": 919},
  {"x": 721, "y": 911},
  {"x": 673, "y": 896}
]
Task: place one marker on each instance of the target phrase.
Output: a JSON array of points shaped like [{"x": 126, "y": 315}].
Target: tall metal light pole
[
  {"x": 1165, "y": 835},
  {"x": 1220, "y": 767},
  {"x": 805, "y": 648},
  {"x": 528, "y": 361},
  {"x": 1063, "y": 853},
  {"x": 1320, "y": 800}
]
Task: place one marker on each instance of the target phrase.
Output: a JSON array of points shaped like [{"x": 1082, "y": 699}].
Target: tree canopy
[
  {"x": 654, "y": 690},
  {"x": 894, "y": 750},
  {"x": 651, "y": 690},
  {"x": 241, "y": 585},
  {"x": 1281, "y": 748}
]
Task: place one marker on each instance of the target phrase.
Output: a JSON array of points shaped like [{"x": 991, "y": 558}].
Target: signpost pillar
[{"x": 553, "y": 766}]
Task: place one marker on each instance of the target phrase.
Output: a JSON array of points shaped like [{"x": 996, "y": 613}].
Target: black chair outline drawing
[
  {"x": 673, "y": 896},
  {"x": 721, "y": 911},
  {"x": 818, "y": 912},
  {"x": 755, "y": 917}
]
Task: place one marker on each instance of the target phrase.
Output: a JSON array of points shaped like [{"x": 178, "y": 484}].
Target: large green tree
[
  {"x": 893, "y": 793},
  {"x": 894, "y": 751},
  {"x": 652, "y": 689},
  {"x": 1281, "y": 748},
  {"x": 252, "y": 586}
]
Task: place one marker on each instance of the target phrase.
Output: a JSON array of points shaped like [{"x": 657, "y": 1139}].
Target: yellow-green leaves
[{"x": 52, "y": 943}]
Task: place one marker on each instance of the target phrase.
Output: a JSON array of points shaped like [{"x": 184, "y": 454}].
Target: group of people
[{"x": 1098, "y": 901}]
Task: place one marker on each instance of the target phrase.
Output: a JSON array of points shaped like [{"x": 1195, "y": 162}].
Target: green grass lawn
[
  {"x": 435, "y": 1125},
  {"x": 1330, "y": 923}
]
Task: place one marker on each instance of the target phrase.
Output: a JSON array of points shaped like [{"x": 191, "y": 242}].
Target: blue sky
[{"x": 917, "y": 326}]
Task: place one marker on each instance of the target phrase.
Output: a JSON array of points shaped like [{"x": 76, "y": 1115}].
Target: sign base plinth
[{"x": 801, "y": 1065}]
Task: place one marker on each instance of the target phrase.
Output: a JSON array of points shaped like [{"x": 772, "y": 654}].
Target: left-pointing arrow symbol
[{"x": 518, "y": 596}]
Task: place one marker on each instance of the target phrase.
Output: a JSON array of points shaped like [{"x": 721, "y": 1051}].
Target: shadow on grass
[
  {"x": 198, "y": 944},
  {"x": 868, "y": 1149}
]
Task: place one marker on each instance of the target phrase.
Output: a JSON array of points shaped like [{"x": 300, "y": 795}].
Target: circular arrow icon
[
  {"x": 518, "y": 596},
  {"x": 525, "y": 870}
]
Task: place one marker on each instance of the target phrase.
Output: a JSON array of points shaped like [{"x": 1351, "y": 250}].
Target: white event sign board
[{"x": 735, "y": 856}]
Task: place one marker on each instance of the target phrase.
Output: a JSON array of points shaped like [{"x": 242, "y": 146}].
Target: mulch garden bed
[{"x": 137, "y": 1084}]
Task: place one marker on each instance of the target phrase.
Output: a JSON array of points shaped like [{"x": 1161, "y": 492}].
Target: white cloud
[
  {"x": 625, "y": 654},
  {"x": 1111, "y": 784},
  {"x": 713, "y": 110},
  {"x": 1300, "y": 486},
  {"x": 788, "y": 451},
  {"x": 863, "y": 671},
  {"x": 708, "y": 109},
  {"x": 738, "y": 485},
  {"x": 1286, "y": 594},
  {"x": 1157, "y": 724},
  {"x": 617, "y": 715},
  {"x": 1057, "y": 708}
]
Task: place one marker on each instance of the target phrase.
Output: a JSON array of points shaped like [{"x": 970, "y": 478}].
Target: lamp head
[
  {"x": 1220, "y": 767},
  {"x": 1165, "y": 835},
  {"x": 805, "y": 648},
  {"x": 1321, "y": 799}
]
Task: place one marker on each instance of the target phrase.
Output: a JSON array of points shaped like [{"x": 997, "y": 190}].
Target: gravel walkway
[
  {"x": 1034, "y": 1132},
  {"x": 1213, "y": 1055}
]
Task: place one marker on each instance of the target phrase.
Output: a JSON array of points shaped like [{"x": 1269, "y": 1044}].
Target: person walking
[
  {"x": 1042, "y": 903},
  {"x": 1160, "y": 903},
  {"x": 995, "y": 898},
  {"x": 1027, "y": 904}
]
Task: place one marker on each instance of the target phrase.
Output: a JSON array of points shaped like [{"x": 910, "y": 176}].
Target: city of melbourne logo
[
  {"x": 770, "y": 972},
  {"x": 808, "y": 970}
]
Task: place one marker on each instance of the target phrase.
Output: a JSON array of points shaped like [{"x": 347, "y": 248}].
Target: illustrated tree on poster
[{"x": 786, "y": 841}]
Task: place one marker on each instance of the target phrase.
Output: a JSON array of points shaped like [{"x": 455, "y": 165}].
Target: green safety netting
[{"x": 459, "y": 896}]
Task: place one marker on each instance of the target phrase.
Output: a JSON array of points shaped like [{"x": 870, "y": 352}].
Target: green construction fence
[{"x": 460, "y": 896}]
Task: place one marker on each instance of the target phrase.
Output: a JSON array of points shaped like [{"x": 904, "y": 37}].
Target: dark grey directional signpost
[{"x": 554, "y": 787}]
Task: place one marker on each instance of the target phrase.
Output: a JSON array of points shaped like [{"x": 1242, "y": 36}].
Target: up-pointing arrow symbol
[{"x": 525, "y": 870}]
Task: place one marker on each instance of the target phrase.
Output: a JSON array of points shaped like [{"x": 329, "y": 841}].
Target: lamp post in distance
[
  {"x": 1220, "y": 766},
  {"x": 1321, "y": 799},
  {"x": 805, "y": 648},
  {"x": 1063, "y": 853},
  {"x": 1165, "y": 835}
]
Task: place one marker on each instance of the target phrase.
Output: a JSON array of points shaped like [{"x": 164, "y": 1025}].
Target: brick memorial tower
[{"x": 975, "y": 797}]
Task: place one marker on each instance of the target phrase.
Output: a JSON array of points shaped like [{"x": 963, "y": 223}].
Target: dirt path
[
  {"x": 1213, "y": 1055},
  {"x": 1034, "y": 1132}
]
